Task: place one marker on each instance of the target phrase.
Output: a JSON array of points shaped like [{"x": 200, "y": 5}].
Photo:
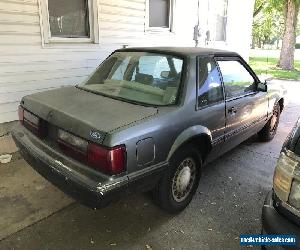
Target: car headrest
[{"x": 143, "y": 78}]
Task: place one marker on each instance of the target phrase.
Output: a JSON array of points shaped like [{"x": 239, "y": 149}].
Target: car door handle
[{"x": 232, "y": 110}]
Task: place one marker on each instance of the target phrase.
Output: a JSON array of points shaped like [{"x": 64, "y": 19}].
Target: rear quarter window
[{"x": 210, "y": 87}]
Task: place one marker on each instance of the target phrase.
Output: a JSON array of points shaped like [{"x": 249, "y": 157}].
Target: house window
[
  {"x": 221, "y": 21},
  {"x": 69, "y": 21},
  {"x": 160, "y": 15},
  {"x": 217, "y": 20},
  {"x": 69, "y": 18}
]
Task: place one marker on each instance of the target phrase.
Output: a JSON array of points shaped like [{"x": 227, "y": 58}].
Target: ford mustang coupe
[{"x": 146, "y": 119}]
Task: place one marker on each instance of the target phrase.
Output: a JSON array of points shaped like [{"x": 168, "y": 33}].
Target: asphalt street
[{"x": 228, "y": 203}]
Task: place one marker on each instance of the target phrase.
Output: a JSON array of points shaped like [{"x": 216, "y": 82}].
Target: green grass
[{"x": 267, "y": 66}]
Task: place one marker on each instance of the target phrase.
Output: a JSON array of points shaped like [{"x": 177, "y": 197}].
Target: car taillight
[
  {"x": 112, "y": 161},
  {"x": 32, "y": 122},
  {"x": 21, "y": 114}
]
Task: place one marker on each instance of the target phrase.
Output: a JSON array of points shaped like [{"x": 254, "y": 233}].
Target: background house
[{"x": 45, "y": 44}]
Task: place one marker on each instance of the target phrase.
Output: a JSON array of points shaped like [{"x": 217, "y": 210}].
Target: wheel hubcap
[
  {"x": 183, "y": 179},
  {"x": 274, "y": 121}
]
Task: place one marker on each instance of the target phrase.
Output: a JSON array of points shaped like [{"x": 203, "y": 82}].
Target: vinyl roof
[{"x": 184, "y": 51}]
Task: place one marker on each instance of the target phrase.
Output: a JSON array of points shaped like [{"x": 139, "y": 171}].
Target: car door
[
  {"x": 246, "y": 107},
  {"x": 211, "y": 102}
]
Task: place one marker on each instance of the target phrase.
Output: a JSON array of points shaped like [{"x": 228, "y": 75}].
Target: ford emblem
[{"x": 95, "y": 135}]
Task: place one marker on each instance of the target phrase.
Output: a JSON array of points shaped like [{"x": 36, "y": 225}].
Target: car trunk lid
[{"x": 88, "y": 115}]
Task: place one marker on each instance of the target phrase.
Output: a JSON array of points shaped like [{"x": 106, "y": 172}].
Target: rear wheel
[
  {"x": 179, "y": 184},
  {"x": 269, "y": 130}
]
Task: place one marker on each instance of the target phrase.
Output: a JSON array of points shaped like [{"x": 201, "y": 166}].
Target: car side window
[
  {"x": 237, "y": 80},
  {"x": 210, "y": 87}
]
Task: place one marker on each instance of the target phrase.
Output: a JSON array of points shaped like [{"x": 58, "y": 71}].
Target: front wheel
[
  {"x": 179, "y": 184},
  {"x": 269, "y": 130}
]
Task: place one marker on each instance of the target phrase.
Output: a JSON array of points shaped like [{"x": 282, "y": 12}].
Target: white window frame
[
  {"x": 45, "y": 25},
  {"x": 160, "y": 29}
]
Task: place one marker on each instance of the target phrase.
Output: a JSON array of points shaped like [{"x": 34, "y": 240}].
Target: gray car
[{"x": 146, "y": 119}]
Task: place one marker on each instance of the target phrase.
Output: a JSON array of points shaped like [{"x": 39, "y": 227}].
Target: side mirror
[
  {"x": 165, "y": 74},
  {"x": 262, "y": 86}
]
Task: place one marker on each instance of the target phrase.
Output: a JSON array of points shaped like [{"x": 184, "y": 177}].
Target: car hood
[{"x": 82, "y": 112}]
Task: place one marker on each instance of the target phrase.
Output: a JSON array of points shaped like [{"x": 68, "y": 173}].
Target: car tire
[
  {"x": 269, "y": 130},
  {"x": 178, "y": 185}
]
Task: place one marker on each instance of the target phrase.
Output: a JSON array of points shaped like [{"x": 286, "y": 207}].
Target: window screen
[
  {"x": 221, "y": 21},
  {"x": 217, "y": 20},
  {"x": 159, "y": 11},
  {"x": 236, "y": 78},
  {"x": 69, "y": 18},
  {"x": 210, "y": 86}
]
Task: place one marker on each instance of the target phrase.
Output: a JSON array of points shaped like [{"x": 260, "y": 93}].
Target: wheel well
[
  {"x": 281, "y": 104},
  {"x": 202, "y": 143}
]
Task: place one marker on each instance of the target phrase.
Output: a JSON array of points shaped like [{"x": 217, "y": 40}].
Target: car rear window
[{"x": 142, "y": 77}]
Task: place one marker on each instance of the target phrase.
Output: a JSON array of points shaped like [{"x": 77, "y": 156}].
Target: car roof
[{"x": 184, "y": 51}]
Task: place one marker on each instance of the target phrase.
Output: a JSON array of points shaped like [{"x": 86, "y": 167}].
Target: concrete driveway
[{"x": 228, "y": 203}]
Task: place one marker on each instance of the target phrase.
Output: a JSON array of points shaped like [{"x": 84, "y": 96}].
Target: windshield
[{"x": 142, "y": 77}]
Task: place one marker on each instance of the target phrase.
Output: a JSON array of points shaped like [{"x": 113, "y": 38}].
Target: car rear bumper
[
  {"x": 275, "y": 223},
  {"x": 90, "y": 188}
]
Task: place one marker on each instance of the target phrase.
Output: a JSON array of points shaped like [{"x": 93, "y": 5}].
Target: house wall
[
  {"x": 239, "y": 26},
  {"x": 26, "y": 66}
]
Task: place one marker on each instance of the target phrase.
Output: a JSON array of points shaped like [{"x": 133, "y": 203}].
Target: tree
[
  {"x": 268, "y": 24},
  {"x": 290, "y": 11},
  {"x": 258, "y": 7}
]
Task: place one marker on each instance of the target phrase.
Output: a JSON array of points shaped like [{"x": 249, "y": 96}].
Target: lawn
[{"x": 267, "y": 66}]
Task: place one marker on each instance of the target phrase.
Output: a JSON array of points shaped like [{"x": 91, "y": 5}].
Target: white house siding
[
  {"x": 27, "y": 67},
  {"x": 239, "y": 26}
]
